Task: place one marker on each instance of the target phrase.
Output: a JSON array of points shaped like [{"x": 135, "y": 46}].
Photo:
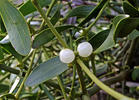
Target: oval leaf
[
  {"x": 46, "y": 71},
  {"x": 16, "y": 27}
]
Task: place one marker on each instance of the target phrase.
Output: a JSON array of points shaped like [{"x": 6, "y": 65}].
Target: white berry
[
  {"x": 85, "y": 49},
  {"x": 66, "y": 56}
]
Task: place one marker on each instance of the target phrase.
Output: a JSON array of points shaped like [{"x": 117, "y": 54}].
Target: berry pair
[{"x": 84, "y": 49}]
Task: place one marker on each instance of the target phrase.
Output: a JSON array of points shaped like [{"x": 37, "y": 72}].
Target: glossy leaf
[
  {"x": 46, "y": 36},
  {"x": 94, "y": 12},
  {"x": 80, "y": 11},
  {"x": 134, "y": 34},
  {"x": 46, "y": 71},
  {"x": 28, "y": 7},
  {"x": 99, "y": 38},
  {"x": 110, "y": 41},
  {"x": 16, "y": 27},
  {"x": 130, "y": 9}
]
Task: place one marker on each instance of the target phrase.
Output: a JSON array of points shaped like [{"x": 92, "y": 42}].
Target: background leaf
[
  {"x": 46, "y": 71},
  {"x": 126, "y": 26},
  {"x": 3, "y": 88},
  {"x": 16, "y": 27},
  {"x": 80, "y": 11},
  {"x": 134, "y": 34},
  {"x": 46, "y": 36},
  {"x": 135, "y": 74},
  {"x": 28, "y": 7},
  {"x": 1, "y": 54},
  {"x": 9, "y": 49},
  {"x": 130, "y": 9},
  {"x": 93, "y": 13}
]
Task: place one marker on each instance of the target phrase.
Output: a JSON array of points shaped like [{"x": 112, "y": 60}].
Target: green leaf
[
  {"x": 135, "y": 3},
  {"x": 16, "y": 27},
  {"x": 80, "y": 11},
  {"x": 3, "y": 29},
  {"x": 1, "y": 54},
  {"x": 93, "y": 13},
  {"x": 134, "y": 34},
  {"x": 3, "y": 88},
  {"x": 126, "y": 26},
  {"x": 101, "y": 68},
  {"x": 28, "y": 7},
  {"x": 46, "y": 36},
  {"x": 135, "y": 74},
  {"x": 130, "y": 9},
  {"x": 9, "y": 96},
  {"x": 55, "y": 17},
  {"x": 46, "y": 71},
  {"x": 46, "y": 91},
  {"x": 8, "y": 48},
  {"x": 99, "y": 38},
  {"x": 110, "y": 41}
]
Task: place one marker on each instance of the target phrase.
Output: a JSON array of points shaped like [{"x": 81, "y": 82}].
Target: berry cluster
[{"x": 84, "y": 49}]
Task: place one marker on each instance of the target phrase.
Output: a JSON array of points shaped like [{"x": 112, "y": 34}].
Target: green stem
[
  {"x": 26, "y": 58},
  {"x": 131, "y": 52},
  {"x": 47, "y": 13},
  {"x": 112, "y": 80},
  {"x": 7, "y": 58},
  {"x": 97, "y": 18},
  {"x": 28, "y": 72},
  {"x": 4, "y": 77},
  {"x": 47, "y": 92},
  {"x": 36, "y": 4},
  {"x": 73, "y": 82},
  {"x": 51, "y": 83},
  {"x": 81, "y": 79},
  {"x": 93, "y": 64},
  {"x": 101, "y": 85},
  {"x": 45, "y": 53},
  {"x": 50, "y": 7},
  {"x": 62, "y": 88}
]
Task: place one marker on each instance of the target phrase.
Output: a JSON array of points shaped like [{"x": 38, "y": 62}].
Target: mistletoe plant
[{"x": 62, "y": 49}]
